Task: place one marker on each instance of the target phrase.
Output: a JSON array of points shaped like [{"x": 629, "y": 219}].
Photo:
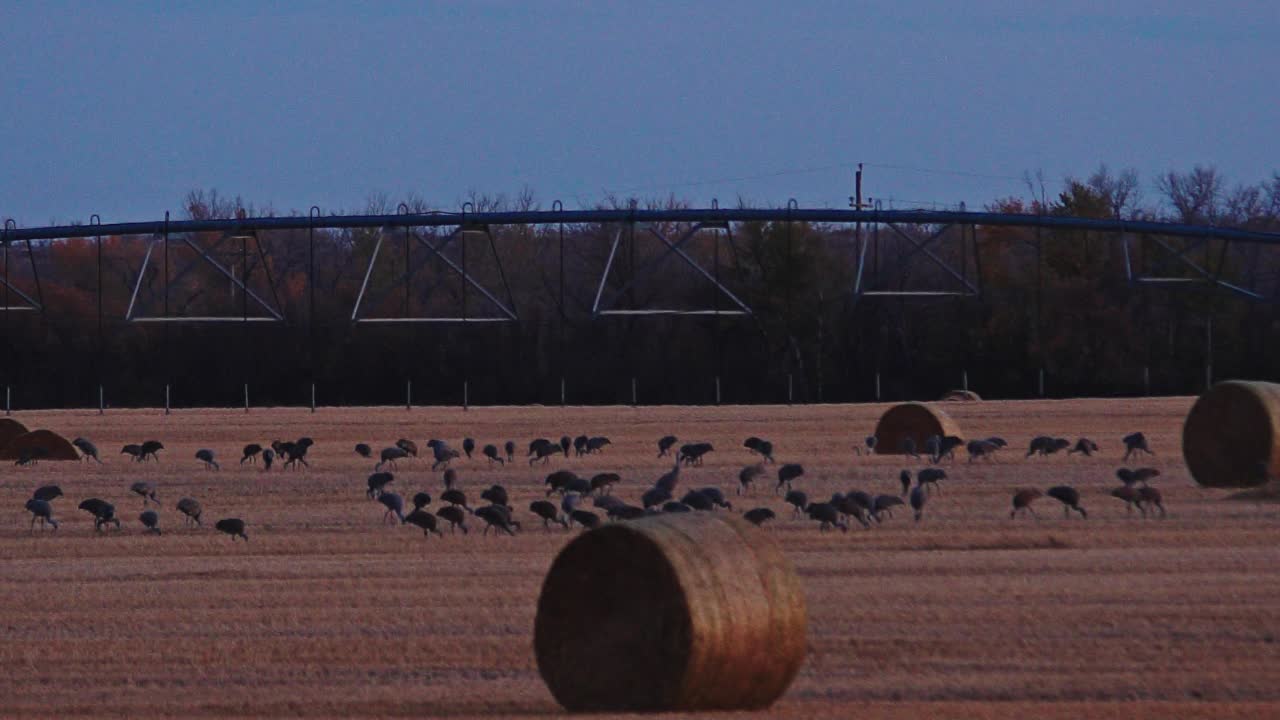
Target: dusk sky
[{"x": 122, "y": 108}]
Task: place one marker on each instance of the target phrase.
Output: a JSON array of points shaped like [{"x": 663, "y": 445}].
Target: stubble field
[{"x": 329, "y": 612}]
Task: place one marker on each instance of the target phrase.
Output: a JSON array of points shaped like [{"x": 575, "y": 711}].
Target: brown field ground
[{"x": 328, "y": 612}]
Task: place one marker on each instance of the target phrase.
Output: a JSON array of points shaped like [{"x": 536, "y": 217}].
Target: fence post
[
  {"x": 246, "y": 398},
  {"x": 166, "y": 398},
  {"x": 791, "y": 386},
  {"x": 717, "y": 389},
  {"x": 466, "y": 395},
  {"x": 1146, "y": 379},
  {"x": 1041, "y": 382},
  {"x": 964, "y": 380},
  {"x": 313, "y": 397},
  {"x": 877, "y": 386},
  {"x": 634, "y": 401},
  {"x": 102, "y": 402},
  {"x": 408, "y": 394},
  {"x": 561, "y": 391}
]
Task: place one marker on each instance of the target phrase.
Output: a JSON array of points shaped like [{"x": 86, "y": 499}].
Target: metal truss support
[
  {"x": 30, "y": 303},
  {"x": 603, "y": 306},
  {"x": 244, "y": 236},
  {"x": 875, "y": 288},
  {"x": 1202, "y": 274},
  {"x": 506, "y": 309}
]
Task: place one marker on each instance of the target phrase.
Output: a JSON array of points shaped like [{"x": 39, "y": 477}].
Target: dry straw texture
[
  {"x": 912, "y": 420},
  {"x": 1232, "y": 435},
  {"x": 961, "y": 396},
  {"x": 677, "y": 612},
  {"x": 10, "y": 429},
  {"x": 54, "y": 445}
]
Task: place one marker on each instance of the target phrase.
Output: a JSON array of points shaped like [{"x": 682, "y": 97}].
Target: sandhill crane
[
  {"x": 233, "y": 527},
  {"x": 665, "y": 444},
  {"x": 717, "y": 498},
  {"x": 47, "y": 493},
  {"x": 134, "y": 452},
  {"x": 496, "y": 517},
  {"x": 409, "y": 446},
  {"x": 378, "y": 483},
  {"x": 556, "y": 481},
  {"x": 908, "y": 447},
  {"x": 1085, "y": 447},
  {"x": 1022, "y": 502},
  {"x": 655, "y": 496},
  {"x": 146, "y": 490},
  {"x": 883, "y": 505},
  {"x": 984, "y": 449},
  {"x": 510, "y": 447},
  {"x": 933, "y": 447},
  {"x": 30, "y": 456},
  {"x": 205, "y": 456},
  {"x": 918, "y": 499},
  {"x": 468, "y": 446},
  {"x": 798, "y": 500},
  {"x": 102, "y": 511},
  {"x": 421, "y": 500},
  {"x": 758, "y": 516},
  {"x": 570, "y": 502},
  {"x": 693, "y": 453},
  {"x": 597, "y": 444},
  {"x": 602, "y": 483},
  {"x": 491, "y": 451},
  {"x": 150, "y": 448},
  {"x": 394, "y": 505},
  {"x": 87, "y": 449},
  {"x": 496, "y": 495},
  {"x": 1044, "y": 445},
  {"x": 455, "y": 497},
  {"x": 870, "y": 443},
  {"x": 904, "y": 478},
  {"x": 251, "y": 453},
  {"x": 296, "y": 452},
  {"x": 1069, "y": 497},
  {"x": 786, "y": 474},
  {"x": 455, "y": 516},
  {"x": 1130, "y": 497},
  {"x": 626, "y": 512},
  {"x": 549, "y": 514},
  {"x": 566, "y": 442},
  {"x": 671, "y": 506},
  {"x": 860, "y": 499},
  {"x": 1148, "y": 496},
  {"x": 423, "y": 519},
  {"x": 849, "y": 508},
  {"x": 580, "y": 445},
  {"x": 998, "y": 442},
  {"x": 586, "y": 519},
  {"x": 1140, "y": 475},
  {"x": 947, "y": 448},
  {"x": 543, "y": 451},
  {"x": 150, "y": 520},
  {"x": 268, "y": 456},
  {"x": 696, "y": 500},
  {"x": 930, "y": 477},
  {"x": 747, "y": 478},
  {"x": 669, "y": 479},
  {"x": 607, "y": 501},
  {"x": 363, "y": 450},
  {"x": 390, "y": 455},
  {"x": 1136, "y": 443},
  {"x": 41, "y": 510},
  {"x": 191, "y": 510},
  {"x": 827, "y": 515}
]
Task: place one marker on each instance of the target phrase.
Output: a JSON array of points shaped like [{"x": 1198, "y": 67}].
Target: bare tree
[{"x": 1196, "y": 195}]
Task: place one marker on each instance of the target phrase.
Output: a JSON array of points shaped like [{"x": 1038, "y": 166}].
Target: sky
[{"x": 122, "y": 108}]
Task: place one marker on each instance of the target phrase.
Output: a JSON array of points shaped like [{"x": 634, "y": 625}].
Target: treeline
[{"x": 1052, "y": 302}]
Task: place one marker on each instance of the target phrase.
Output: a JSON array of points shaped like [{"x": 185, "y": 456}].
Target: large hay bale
[
  {"x": 961, "y": 396},
  {"x": 1232, "y": 435},
  {"x": 10, "y": 429},
  {"x": 674, "y": 612},
  {"x": 55, "y": 446},
  {"x": 912, "y": 420}
]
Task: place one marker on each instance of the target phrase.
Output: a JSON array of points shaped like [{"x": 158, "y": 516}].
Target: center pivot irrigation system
[{"x": 1184, "y": 247}]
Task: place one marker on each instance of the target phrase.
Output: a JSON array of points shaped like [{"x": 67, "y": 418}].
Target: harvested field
[{"x": 329, "y": 612}]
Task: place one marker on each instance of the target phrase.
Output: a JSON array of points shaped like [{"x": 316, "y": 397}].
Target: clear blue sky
[{"x": 121, "y": 108}]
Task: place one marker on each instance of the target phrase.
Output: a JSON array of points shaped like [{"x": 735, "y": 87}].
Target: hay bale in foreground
[
  {"x": 55, "y": 446},
  {"x": 10, "y": 429},
  {"x": 1231, "y": 437},
  {"x": 916, "y": 421},
  {"x": 674, "y": 612},
  {"x": 961, "y": 396}
]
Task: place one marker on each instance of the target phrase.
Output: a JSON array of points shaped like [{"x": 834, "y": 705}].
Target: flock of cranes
[{"x": 589, "y": 501}]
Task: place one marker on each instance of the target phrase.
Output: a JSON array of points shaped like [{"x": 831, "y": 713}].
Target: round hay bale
[
  {"x": 673, "y": 612},
  {"x": 1231, "y": 437},
  {"x": 54, "y": 445},
  {"x": 10, "y": 429},
  {"x": 912, "y": 420},
  {"x": 961, "y": 396}
]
